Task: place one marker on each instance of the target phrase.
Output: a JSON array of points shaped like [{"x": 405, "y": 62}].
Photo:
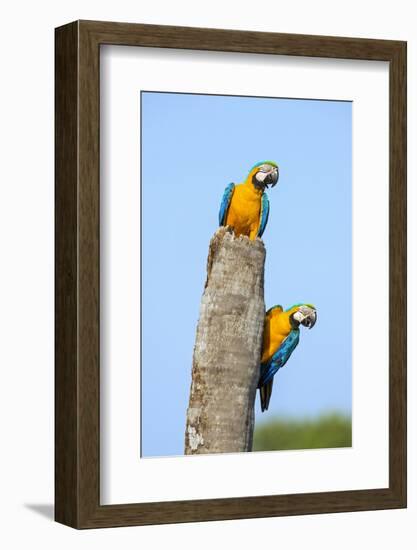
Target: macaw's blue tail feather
[
  {"x": 265, "y": 393},
  {"x": 268, "y": 371}
]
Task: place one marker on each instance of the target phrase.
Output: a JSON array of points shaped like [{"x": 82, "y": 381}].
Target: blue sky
[{"x": 192, "y": 147}]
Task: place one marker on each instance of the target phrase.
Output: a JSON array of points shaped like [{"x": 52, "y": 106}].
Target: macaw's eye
[{"x": 266, "y": 168}]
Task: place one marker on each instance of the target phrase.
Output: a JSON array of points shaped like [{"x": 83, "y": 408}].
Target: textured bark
[{"x": 220, "y": 415}]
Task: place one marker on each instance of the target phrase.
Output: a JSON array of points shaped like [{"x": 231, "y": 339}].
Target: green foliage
[{"x": 326, "y": 431}]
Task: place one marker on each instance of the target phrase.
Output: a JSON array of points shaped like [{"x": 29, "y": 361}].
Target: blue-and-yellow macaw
[
  {"x": 245, "y": 207},
  {"x": 281, "y": 337}
]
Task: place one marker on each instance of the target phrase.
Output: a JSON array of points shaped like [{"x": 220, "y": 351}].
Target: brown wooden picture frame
[{"x": 77, "y": 364}]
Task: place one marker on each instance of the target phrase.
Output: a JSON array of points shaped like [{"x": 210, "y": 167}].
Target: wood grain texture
[
  {"x": 398, "y": 274},
  {"x": 225, "y": 373},
  {"x": 66, "y": 345},
  {"x": 78, "y": 285}
]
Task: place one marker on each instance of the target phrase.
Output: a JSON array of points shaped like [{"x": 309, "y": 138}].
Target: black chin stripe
[
  {"x": 293, "y": 322},
  {"x": 257, "y": 184}
]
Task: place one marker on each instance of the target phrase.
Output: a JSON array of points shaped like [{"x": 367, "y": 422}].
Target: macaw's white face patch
[{"x": 260, "y": 176}]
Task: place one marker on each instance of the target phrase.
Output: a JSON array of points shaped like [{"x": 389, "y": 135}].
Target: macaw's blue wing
[
  {"x": 264, "y": 214},
  {"x": 272, "y": 366},
  {"x": 226, "y": 200},
  {"x": 280, "y": 357}
]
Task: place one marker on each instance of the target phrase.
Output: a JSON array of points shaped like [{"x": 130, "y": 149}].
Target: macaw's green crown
[
  {"x": 271, "y": 162},
  {"x": 298, "y": 305},
  {"x": 289, "y": 308}
]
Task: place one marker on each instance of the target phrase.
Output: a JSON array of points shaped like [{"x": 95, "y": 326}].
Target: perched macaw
[
  {"x": 245, "y": 207},
  {"x": 281, "y": 337}
]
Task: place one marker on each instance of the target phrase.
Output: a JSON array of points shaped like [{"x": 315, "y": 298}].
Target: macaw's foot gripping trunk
[{"x": 225, "y": 373}]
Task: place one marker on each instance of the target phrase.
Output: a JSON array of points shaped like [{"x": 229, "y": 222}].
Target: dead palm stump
[{"x": 225, "y": 373}]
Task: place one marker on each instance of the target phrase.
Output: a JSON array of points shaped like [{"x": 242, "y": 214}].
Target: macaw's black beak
[
  {"x": 310, "y": 320},
  {"x": 272, "y": 178}
]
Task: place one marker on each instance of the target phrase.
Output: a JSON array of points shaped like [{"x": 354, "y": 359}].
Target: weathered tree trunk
[{"x": 220, "y": 416}]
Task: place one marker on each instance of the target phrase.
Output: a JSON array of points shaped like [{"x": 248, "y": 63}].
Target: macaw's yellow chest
[
  {"x": 245, "y": 210},
  {"x": 277, "y": 328}
]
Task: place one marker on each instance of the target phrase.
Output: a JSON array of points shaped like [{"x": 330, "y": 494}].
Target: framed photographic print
[{"x": 230, "y": 274}]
